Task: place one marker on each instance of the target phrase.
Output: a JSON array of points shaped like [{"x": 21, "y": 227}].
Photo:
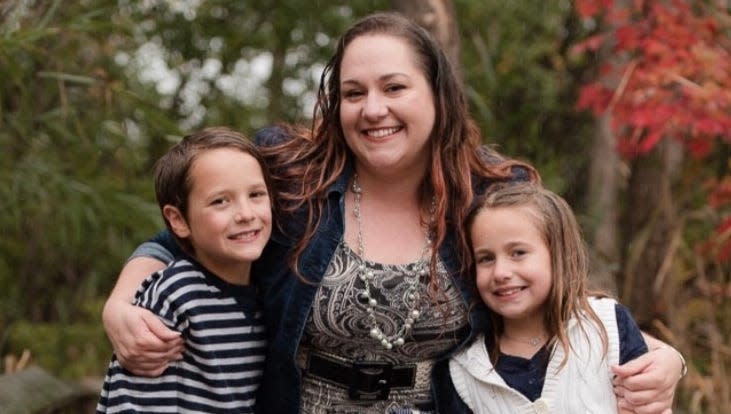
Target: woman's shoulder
[
  {"x": 272, "y": 135},
  {"x": 514, "y": 170},
  {"x": 280, "y": 134},
  {"x": 517, "y": 173}
]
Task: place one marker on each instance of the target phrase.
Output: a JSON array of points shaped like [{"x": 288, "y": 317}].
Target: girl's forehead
[{"x": 527, "y": 210}]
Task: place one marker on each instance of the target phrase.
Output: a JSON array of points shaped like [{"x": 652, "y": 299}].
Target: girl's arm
[
  {"x": 647, "y": 384},
  {"x": 142, "y": 343}
]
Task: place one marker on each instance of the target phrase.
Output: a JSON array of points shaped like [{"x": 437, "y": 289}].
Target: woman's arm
[
  {"x": 142, "y": 343},
  {"x": 621, "y": 410},
  {"x": 647, "y": 384}
]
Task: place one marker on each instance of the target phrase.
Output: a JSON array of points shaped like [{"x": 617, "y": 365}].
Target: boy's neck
[{"x": 235, "y": 274}]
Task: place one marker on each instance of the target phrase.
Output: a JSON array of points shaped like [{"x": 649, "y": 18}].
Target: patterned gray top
[{"x": 338, "y": 327}]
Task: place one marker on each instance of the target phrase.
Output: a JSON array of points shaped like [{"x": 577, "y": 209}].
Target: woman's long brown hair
[{"x": 316, "y": 158}]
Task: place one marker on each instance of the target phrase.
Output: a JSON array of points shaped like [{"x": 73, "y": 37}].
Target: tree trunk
[
  {"x": 649, "y": 225},
  {"x": 603, "y": 192},
  {"x": 438, "y": 17},
  {"x": 276, "y": 80},
  {"x": 639, "y": 248},
  {"x": 34, "y": 391},
  {"x": 602, "y": 195}
]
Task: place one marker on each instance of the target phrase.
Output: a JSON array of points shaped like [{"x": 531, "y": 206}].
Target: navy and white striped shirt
[{"x": 225, "y": 347}]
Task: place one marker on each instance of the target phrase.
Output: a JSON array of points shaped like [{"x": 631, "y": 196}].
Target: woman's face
[{"x": 387, "y": 107}]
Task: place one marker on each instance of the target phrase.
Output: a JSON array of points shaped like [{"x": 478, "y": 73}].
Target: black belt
[{"x": 365, "y": 380}]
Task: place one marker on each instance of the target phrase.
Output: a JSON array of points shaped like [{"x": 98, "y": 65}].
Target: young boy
[{"x": 213, "y": 194}]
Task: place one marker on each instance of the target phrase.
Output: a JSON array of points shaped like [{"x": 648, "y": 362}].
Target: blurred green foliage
[
  {"x": 73, "y": 350},
  {"x": 522, "y": 84},
  {"x": 73, "y": 191}
]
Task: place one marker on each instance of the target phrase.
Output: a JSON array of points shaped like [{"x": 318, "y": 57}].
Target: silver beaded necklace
[{"x": 411, "y": 296}]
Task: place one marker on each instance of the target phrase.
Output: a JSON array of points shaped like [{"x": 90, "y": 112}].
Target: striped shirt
[{"x": 225, "y": 346}]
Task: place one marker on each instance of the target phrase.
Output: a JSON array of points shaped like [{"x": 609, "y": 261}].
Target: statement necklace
[{"x": 411, "y": 296}]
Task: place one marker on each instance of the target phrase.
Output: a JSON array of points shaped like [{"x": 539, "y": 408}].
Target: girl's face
[
  {"x": 387, "y": 107},
  {"x": 229, "y": 212},
  {"x": 513, "y": 263}
]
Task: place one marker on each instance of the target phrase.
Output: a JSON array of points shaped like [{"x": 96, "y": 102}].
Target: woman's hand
[
  {"x": 647, "y": 384},
  {"x": 142, "y": 343}
]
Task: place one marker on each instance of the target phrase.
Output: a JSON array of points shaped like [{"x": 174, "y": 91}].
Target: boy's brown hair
[{"x": 172, "y": 171}]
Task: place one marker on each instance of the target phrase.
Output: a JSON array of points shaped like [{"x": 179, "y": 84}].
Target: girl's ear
[{"x": 176, "y": 220}]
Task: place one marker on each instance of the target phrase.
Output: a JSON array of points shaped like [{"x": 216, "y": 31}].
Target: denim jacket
[{"x": 287, "y": 298}]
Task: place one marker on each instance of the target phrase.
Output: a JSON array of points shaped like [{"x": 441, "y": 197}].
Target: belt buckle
[{"x": 371, "y": 381}]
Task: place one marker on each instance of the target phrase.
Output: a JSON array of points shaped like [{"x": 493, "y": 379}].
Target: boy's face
[{"x": 229, "y": 212}]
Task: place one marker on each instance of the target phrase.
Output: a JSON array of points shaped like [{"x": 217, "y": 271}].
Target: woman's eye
[
  {"x": 394, "y": 88},
  {"x": 258, "y": 194},
  {"x": 352, "y": 93}
]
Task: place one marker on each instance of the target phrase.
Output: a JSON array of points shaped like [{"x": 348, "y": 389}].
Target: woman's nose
[{"x": 375, "y": 106}]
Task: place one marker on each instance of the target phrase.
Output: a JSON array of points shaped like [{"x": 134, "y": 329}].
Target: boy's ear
[{"x": 176, "y": 220}]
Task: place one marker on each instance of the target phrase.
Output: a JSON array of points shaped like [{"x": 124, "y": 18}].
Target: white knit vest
[{"x": 583, "y": 385}]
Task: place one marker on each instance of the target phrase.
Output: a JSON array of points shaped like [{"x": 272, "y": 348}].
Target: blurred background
[{"x": 623, "y": 106}]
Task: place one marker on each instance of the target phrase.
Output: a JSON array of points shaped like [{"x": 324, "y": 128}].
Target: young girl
[
  {"x": 553, "y": 344},
  {"x": 214, "y": 198}
]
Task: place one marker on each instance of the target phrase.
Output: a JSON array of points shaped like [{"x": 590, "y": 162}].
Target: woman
[{"x": 373, "y": 201}]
